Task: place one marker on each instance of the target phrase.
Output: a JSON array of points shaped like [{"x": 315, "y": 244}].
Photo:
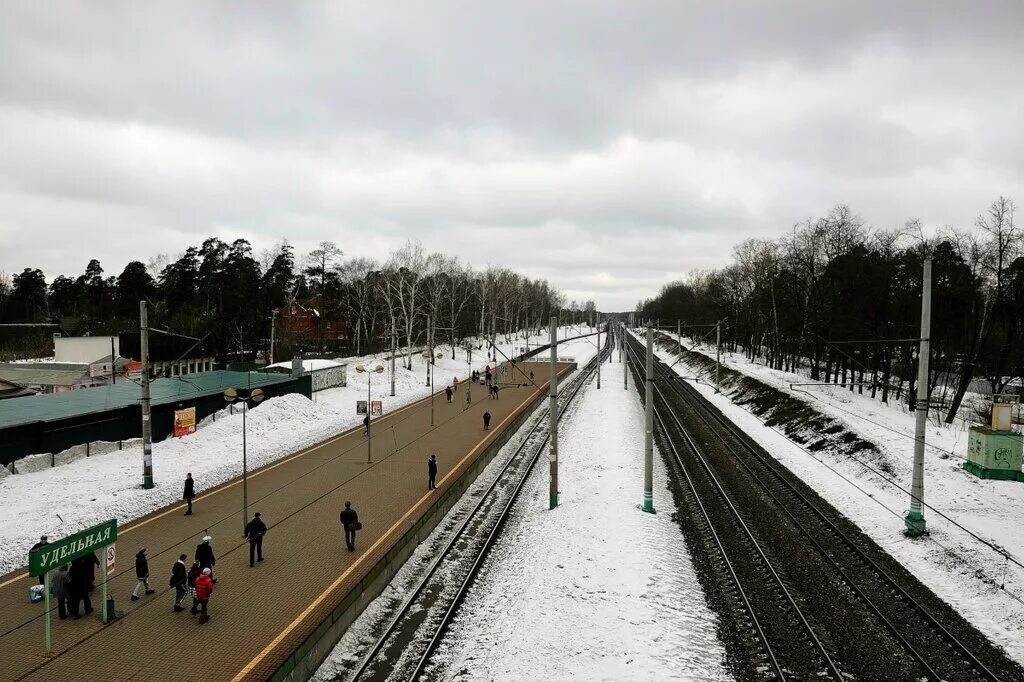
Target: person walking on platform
[
  {"x": 350, "y": 522},
  {"x": 189, "y": 493},
  {"x": 455, "y": 384},
  {"x": 92, "y": 561},
  {"x": 366, "y": 425},
  {"x": 487, "y": 421},
  {"x": 60, "y": 584},
  {"x": 254, "y": 531},
  {"x": 431, "y": 472},
  {"x": 494, "y": 391},
  {"x": 204, "y": 588},
  {"x": 193, "y": 573},
  {"x": 142, "y": 573},
  {"x": 448, "y": 393},
  {"x": 179, "y": 581},
  {"x": 204, "y": 555},
  {"x": 79, "y": 588}
]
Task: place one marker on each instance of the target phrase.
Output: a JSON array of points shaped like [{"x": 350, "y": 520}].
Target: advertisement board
[
  {"x": 184, "y": 421},
  {"x": 329, "y": 377},
  {"x": 376, "y": 408},
  {"x": 360, "y": 407}
]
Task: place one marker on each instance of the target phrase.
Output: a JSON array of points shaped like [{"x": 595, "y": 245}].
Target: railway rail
[
  {"x": 811, "y": 594},
  {"x": 406, "y": 646}
]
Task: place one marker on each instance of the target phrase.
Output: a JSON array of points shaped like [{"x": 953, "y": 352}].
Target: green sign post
[{"x": 44, "y": 559}]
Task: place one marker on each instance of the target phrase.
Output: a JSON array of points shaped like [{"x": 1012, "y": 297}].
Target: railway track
[
  {"x": 405, "y": 647},
  {"x": 810, "y": 595}
]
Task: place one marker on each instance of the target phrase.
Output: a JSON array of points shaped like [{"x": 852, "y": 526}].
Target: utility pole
[
  {"x": 679, "y": 336},
  {"x": 914, "y": 519},
  {"x": 718, "y": 356},
  {"x": 147, "y": 428},
  {"x": 649, "y": 426},
  {"x": 394, "y": 349},
  {"x": 494, "y": 336},
  {"x": 430, "y": 357},
  {"x": 624, "y": 359},
  {"x": 113, "y": 363},
  {"x": 273, "y": 314},
  {"x": 553, "y": 416},
  {"x": 599, "y": 361}
]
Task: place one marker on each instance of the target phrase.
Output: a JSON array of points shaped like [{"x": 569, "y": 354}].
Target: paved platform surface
[{"x": 259, "y": 615}]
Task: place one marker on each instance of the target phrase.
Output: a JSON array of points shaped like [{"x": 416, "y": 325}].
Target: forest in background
[
  {"x": 229, "y": 297},
  {"x": 842, "y": 302}
]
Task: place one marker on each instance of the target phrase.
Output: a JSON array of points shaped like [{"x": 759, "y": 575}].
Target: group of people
[
  {"x": 197, "y": 580},
  {"x": 71, "y": 583}
]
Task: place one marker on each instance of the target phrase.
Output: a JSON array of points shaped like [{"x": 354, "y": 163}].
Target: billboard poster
[
  {"x": 184, "y": 422},
  {"x": 376, "y": 408},
  {"x": 360, "y": 407}
]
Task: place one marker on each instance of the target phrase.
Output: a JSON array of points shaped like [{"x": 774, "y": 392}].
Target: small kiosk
[{"x": 995, "y": 451}]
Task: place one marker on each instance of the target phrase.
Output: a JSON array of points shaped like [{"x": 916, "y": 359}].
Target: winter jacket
[
  {"x": 193, "y": 573},
  {"x": 204, "y": 554},
  {"x": 61, "y": 584},
  {"x": 179, "y": 574},
  {"x": 190, "y": 489},
  {"x": 255, "y": 529},
  {"x": 204, "y": 587},
  {"x": 141, "y": 566},
  {"x": 432, "y": 467},
  {"x": 349, "y": 518},
  {"x": 79, "y": 576}
]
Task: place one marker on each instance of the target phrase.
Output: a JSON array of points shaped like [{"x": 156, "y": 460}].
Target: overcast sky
[{"x": 608, "y": 147}]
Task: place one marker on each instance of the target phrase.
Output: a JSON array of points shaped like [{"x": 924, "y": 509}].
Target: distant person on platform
[
  {"x": 189, "y": 493},
  {"x": 193, "y": 574},
  {"x": 92, "y": 561},
  {"x": 79, "y": 588},
  {"x": 142, "y": 573},
  {"x": 350, "y": 522},
  {"x": 204, "y": 555},
  {"x": 43, "y": 542},
  {"x": 204, "y": 588},
  {"x": 431, "y": 472},
  {"x": 455, "y": 384},
  {"x": 366, "y": 425},
  {"x": 487, "y": 421},
  {"x": 60, "y": 585},
  {"x": 254, "y": 531},
  {"x": 179, "y": 581},
  {"x": 448, "y": 393}
]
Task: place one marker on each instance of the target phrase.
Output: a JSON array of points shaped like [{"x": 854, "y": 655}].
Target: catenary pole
[
  {"x": 914, "y": 520},
  {"x": 430, "y": 357},
  {"x": 147, "y": 430},
  {"x": 553, "y": 416},
  {"x": 599, "y": 360},
  {"x": 624, "y": 359},
  {"x": 394, "y": 349},
  {"x": 649, "y": 426},
  {"x": 679, "y": 335},
  {"x": 718, "y": 356}
]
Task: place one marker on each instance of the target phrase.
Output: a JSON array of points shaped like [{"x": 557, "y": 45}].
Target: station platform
[{"x": 263, "y": 619}]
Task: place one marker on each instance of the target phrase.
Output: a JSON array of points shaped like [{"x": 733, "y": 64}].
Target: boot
[{"x": 203, "y": 617}]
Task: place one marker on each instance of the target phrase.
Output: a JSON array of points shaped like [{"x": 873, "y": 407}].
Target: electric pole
[
  {"x": 553, "y": 415},
  {"x": 718, "y": 356},
  {"x": 147, "y": 428},
  {"x": 599, "y": 360},
  {"x": 430, "y": 353},
  {"x": 649, "y": 426},
  {"x": 679, "y": 336},
  {"x": 624, "y": 359},
  {"x": 914, "y": 519},
  {"x": 394, "y": 349}
]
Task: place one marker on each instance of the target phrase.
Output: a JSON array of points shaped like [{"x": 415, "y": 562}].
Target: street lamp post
[
  {"x": 244, "y": 396},
  {"x": 369, "y": 410}
]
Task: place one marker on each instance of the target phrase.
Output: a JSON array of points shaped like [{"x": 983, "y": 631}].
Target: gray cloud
[{"x": 605, "y": 146}]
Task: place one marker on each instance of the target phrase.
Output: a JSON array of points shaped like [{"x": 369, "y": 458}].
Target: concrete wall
[{"x": 84, "y": 348}]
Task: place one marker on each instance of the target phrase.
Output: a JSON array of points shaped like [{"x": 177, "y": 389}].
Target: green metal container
[{"x": 994, "y": 454}]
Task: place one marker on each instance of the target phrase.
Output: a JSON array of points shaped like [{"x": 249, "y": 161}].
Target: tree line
[
  {"x": 231, "y": 298},
  {"x": 843, "y": 302}
]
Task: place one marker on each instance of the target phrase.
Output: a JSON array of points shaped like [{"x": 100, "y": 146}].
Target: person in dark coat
[
  {"x": 79, "y": 588},
  {"x": 494, "y": 391},
  {"x": 204, "y": 555},
  {"x": 60, "y": 585},
  {"x": 350, "y": 522},
  {"x": 254, "y": 531},
  {"x": 179, "y": 581},
  {"x": 189, "y": 493},
  {"x": 487, "y": 421},
  {"x": 43, "y": 542},
  {"x": 366, "y": 425},
  {"x": 431, "y": 472},
  {"x": 448, "y": 393},
  {"x": 204, "y": 588},
  {"x": 142, "y": 573},
  {"x": 194, "y": 572},
  {"x": 92, "y": 561}
]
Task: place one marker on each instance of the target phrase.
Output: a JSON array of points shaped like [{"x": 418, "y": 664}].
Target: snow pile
[
  {"x": 309, "y": 365},
  {"x": 962, "y": 570},
  {"x": 595, "y": 589}
]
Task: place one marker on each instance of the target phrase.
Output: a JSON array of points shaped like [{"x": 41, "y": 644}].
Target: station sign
[{"x": 48, "y": 557}]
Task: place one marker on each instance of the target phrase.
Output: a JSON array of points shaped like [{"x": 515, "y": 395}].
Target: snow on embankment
[
  {"x": 90, "y": 490},
  {"x": 858, "y": 458}
]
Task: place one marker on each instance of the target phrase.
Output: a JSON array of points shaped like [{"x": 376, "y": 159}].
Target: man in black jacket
[
  {"x": 350, "y": 522},
  {"x": 204, "y": 555},
  {"x": 179, "y": 581},
  {"x": 254, "y": 531},
  {"x": 431, "y": 472},
  {"x": 79, "y": 588},
  {"x": 189, "y": 493},
  {"x": 142, "y": 573}
]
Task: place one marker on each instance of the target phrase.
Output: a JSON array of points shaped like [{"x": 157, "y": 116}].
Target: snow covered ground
[
  {"x": 84, "y": 491},
  {"x": 595, "y": 589},
  {"x": 962, "y": 570}
]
